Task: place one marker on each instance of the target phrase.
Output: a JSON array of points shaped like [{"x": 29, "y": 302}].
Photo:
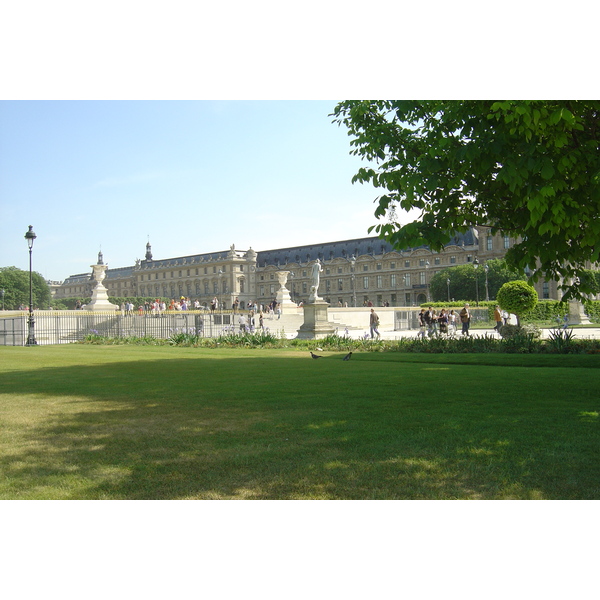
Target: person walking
[
  {"x": 242, "y": 323},
  {"x": 465, "y": 319},
  {"x": 429, "y": 318},
  {"x": 497, "y": 318},
  {"x": 452, "y": 323},
  {"x": 422, "y": 324},
  {"x": 374, "y": 324},
  {"x": 443, "y": 321}
]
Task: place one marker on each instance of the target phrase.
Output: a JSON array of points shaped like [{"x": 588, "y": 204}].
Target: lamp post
[
  {"x": 221, "y": 289},
  {"x": 293, "y": 285},
  {"x": 427, "y": 279},
  {"x": 486, "y": 268},
  {"x": 31, "y": 341},
  {"x": 352, "y": 265},
  {"x": 475, "y": 266},
  {"x": 448, "y": 284}
]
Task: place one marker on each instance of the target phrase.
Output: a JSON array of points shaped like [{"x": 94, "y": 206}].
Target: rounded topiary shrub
[
  {"x": 517, "y": 297},
  {"x": 509, "y": 331}
]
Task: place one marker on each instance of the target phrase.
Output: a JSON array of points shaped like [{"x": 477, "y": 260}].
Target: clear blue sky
[
  {"x": 194, "y": 176},
  {"x": 199, "y": 175}
]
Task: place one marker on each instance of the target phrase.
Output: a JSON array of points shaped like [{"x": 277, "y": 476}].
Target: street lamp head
[
  {"x": 353, "y": 260},
  {"x": 475, "y": 263},
  {"x": 486, "y": 267},
  {"x": 30, "y": 237}
]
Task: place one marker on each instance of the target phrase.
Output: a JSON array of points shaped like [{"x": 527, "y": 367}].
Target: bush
[
  {"x": 517, "y": 297},
  {"x": 509, "y": 331}
]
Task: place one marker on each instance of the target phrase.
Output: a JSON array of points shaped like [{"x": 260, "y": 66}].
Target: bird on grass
[
  {"x": 315, "y": 355},
  {"x": 348, "y": 356}
]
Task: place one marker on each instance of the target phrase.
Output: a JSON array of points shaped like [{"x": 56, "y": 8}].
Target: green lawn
[{"x": 127, "y": 422}]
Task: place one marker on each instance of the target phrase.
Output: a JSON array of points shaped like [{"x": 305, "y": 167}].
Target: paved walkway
[{"x": 579, "y": 332}]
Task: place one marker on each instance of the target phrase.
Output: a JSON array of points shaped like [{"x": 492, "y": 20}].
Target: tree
[
  {"x": 462, "y": 280},
  {"x": 527, "y": 169},
  {"x": 517, "y": 297},
  {"x": 15, "y": 284}
]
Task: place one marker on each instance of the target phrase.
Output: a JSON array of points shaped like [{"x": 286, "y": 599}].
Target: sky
[
  {"x": 189, "y": 176},
  {"x": 196, "y": 131}
]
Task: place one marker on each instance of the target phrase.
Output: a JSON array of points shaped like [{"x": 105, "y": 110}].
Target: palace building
[{"x": 354, "y": 272}]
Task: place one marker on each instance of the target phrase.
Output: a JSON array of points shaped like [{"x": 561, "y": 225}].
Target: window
[
  {"x": 506, "y": 242},
  {"x": 489, "y": 243},
  {"x": 407, "y": 263},
  {"x": 379, "y": 266},
  {"x": 407, "y": 280},
  {"x": 436, "y": 260},
  {"x": 365, "y": 267},
  {"x": 340, "y": 285},
  {"x": 379, "y": 281},
  {"x": 206, "y": 287},
  {"x": 365, "y": 283},
  {"x": 453, "y": 260},
  {"x": 304, "y": 287},
  {"x": 340, "y": 270},
  {"x": 469, "y": 258},
  {"x": 393, "y": 279},
  {"x": 205, "y": 270},
  {"x": 422, "y": 276},
  {"x": 421, "y": 262},
  {"x": 392, "y": 265},
  {"x": 546, "y": 290}
]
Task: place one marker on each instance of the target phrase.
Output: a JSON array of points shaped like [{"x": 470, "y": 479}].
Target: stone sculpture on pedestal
[
  {"x": 316, "y": 324},
  {"x": 99, "y": 293}
]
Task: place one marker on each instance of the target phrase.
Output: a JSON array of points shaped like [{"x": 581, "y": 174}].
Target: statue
[{"x": 315, "y": 276}]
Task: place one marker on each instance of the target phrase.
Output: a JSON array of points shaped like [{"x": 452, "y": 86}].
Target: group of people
[{"x": 444, "y": 322}]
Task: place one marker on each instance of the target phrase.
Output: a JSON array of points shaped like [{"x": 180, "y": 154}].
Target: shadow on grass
[{"x": 287, "y": 428}]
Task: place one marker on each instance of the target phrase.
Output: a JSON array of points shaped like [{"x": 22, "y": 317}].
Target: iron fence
[{"x": 61, "y": 327}]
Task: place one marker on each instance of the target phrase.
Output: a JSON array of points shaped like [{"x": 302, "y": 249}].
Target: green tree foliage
[
  {"x": 517, "y": 297},
  {"x": 15, "y": 284},
  {"x": 528, "y": 169},
  {"x": 462, "y": 280}
]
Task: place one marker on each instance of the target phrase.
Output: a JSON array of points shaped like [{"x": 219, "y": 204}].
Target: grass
[{"x": 128, "y": 422}]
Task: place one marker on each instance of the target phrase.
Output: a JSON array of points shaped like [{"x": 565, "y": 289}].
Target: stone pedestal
[
  {"x": 99, "y": 293},
  {"x": 577, "y": 314},
  {"x": 315, "y": 326}
]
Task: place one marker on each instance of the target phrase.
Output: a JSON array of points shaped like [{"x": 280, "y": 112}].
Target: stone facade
[{"x": 354, "y": 272}]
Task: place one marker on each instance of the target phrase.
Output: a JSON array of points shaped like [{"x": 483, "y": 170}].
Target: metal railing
[{"x": 63, "y": 327}]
